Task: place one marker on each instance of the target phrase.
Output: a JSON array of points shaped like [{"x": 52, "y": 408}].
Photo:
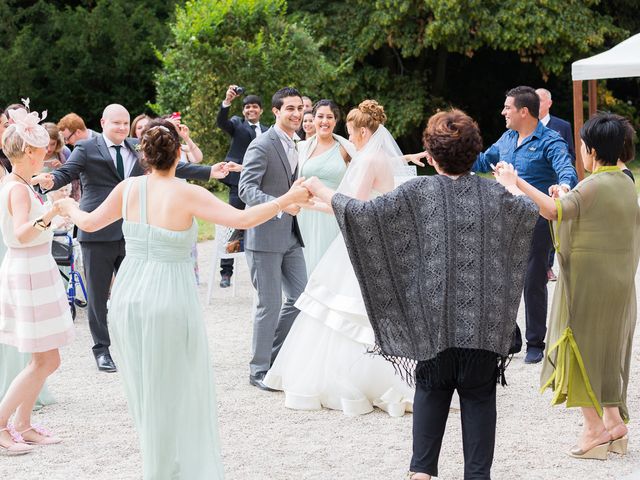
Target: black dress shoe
[
  {"x": 225, "y": 281},
  {"x": 258, "y": 381},
  {"x": 105, "y": 363}
]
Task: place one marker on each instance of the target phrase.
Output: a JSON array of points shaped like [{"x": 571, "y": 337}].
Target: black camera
[{"x": 239, "y": 90}]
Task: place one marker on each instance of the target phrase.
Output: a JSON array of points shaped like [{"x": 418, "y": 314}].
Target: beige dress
[{"x": 593, "y": 314}]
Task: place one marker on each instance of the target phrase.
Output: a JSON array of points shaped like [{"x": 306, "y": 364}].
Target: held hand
[
  {"x": 314, "y": 185},
  {"x": 64, "y": 206},
  {"x": 231, "y": 94},
  {"x": 415, "y": 158},
  {"x": 219, "y": 170},
  {"x": 45, "y": 180},
  {"x": 505, "y": 174},
  {"x": 234, "y": 167},
  {"x": 554, "y": 191},
  {"x": 297, "y": 194}
]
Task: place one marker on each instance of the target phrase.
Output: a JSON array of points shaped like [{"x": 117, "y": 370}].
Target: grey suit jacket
[
  {"x": 91, "y": 162},
  {"x": 267, "y": 175}
]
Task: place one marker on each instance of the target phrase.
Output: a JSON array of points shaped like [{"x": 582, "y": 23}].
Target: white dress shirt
[{"x": 289, "y": 146}]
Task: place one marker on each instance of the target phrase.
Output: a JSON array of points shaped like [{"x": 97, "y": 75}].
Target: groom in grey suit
[{"x": 274, "y": 249}]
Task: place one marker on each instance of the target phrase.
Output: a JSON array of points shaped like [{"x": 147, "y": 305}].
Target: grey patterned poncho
[{"x": 441, "y": 264}]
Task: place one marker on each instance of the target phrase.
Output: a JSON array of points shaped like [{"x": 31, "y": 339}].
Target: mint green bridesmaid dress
[
  {"x": 12, "y": 362},
  {"x": 156, "y": 324},
  {"x": 319, "y": 229}
]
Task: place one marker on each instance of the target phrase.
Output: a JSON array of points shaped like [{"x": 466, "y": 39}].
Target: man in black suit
[
  {"x": 101, "y": 163},
  {"x": 554, "y": 123},
  {"x": 564, "y": 129},
  {"x": 242, "y": 131}
]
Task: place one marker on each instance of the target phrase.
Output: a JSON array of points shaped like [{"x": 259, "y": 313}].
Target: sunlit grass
[{"x": 206, "y": 231}]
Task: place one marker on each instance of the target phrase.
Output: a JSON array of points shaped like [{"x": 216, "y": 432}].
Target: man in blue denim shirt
[{"x": 542, "y": 158}]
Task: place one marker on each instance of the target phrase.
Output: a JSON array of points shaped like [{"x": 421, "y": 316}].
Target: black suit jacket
[
  {"x": 242, "y": 134},
  {"x": 91, "y": 162},
  {"x": 564, "y": 129}
]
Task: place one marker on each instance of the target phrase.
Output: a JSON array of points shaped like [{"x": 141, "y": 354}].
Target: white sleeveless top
[{"x": 6, "y": 219}]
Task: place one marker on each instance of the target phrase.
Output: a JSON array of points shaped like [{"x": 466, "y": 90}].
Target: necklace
[{"x": 30, "y": 187}]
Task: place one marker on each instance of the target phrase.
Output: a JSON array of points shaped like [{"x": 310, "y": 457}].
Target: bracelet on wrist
[{"x": 40, "y": 224}]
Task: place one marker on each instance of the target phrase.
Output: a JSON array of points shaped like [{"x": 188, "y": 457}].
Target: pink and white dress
[{"x": 34, "y": 310}]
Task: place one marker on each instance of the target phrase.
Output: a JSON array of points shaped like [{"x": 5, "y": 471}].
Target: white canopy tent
[{"x": 621, "y": 61}]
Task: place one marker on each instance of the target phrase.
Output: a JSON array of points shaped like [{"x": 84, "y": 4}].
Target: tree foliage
[
  {"x": 250, "y": 43},
  {"x": 80, "y": 56},
  {"x": 417, "y": 55}
]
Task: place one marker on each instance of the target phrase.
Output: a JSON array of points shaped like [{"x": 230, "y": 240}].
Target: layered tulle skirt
[{"x": 325, "y": 360}]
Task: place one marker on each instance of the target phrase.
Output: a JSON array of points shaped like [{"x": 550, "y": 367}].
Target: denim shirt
[{"x": 542, "y": 159}]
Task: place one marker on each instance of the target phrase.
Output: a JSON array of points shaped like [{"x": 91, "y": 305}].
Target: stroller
[{"x": 63, "y": 254}]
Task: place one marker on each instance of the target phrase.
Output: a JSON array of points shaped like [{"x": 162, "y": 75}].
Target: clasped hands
[
  {"x": 222, "y": 169},
  {"x": 507, "y": 175},
  {"x": 303, "y": 194}
]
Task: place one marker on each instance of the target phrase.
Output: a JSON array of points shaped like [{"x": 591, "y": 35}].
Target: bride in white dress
[{"x": 324, "y": 362}]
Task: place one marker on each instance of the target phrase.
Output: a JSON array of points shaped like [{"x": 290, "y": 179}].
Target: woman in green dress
[
  {"x": 155, "y": 316},
  {"x": 326, "y": 156},
  {"x": 593, "y": 316}
]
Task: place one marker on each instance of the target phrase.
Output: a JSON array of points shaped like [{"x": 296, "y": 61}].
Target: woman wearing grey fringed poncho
[{"x": 441, "y": 263}]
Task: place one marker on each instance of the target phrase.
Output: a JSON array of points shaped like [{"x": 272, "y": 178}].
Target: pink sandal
[
  {"x": 19, "y": 447},
  {"x": 49, "y": 437}
]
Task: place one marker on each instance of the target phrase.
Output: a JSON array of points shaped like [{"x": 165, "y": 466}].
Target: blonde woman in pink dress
[{"x": 34, "y": 313}]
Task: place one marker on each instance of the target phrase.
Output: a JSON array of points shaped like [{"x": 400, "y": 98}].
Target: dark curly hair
[
  {"x": 453, "y": 139},
  {"x": 159, "y": 144}
]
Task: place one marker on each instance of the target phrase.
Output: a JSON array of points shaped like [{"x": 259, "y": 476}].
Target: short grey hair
[{"x": 545, "y": 91}]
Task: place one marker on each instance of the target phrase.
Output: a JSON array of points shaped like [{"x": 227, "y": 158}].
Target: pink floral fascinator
[{"x": 27, "y": 125}]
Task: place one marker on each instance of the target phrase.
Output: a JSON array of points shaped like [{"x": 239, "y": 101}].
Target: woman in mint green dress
[
  {"x": 155, "y": 317},
  {"x": 325, "y": 156}
]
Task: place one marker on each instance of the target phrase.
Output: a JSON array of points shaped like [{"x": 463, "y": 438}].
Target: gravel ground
[{"x": 262, "y": 439}]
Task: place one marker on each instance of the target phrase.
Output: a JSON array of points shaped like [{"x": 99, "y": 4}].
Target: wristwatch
[{"x": 39, "y": 224}]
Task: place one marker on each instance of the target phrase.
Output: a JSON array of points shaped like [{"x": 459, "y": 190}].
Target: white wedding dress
[{"x": 324, "y": 362}]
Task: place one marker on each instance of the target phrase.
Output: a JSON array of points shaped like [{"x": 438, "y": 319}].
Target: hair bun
[{"x": 374, "y": 110}]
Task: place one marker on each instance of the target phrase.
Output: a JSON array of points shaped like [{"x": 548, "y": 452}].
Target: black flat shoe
[
  {"x": 105, "y": 363},
  {"x": 225, "y": 281}
]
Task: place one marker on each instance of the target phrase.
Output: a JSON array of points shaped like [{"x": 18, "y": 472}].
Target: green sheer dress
[
  {"x": 159, "y": 335},
  {"x": 319, "y": 229},
  {"x": 593, "y": 314}
]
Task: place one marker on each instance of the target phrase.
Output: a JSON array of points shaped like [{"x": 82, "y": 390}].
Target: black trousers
[
  {"x": 535, "y": 285},
  {"x": 226, "y": 264},
  {"x": 474, "y": 377},
  {"x": 101, "y": 261}
]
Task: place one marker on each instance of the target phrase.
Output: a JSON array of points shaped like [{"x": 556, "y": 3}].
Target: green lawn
[{"x": 206, "y": 230}]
